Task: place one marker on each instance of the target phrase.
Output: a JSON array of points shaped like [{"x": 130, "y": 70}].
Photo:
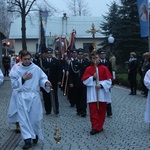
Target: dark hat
[
  {"x": 80, "y": 51},
  {"x": 101, "y": 51},
  {"x": 74, "y": 51},
  {"x": 49, "y": 50}
]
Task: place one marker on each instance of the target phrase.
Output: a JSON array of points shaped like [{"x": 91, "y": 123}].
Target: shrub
[{"x": 122, "y": 79}]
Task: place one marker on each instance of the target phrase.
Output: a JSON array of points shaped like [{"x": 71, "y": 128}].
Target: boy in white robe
[
  {"x": 26, "y": 80},
  {"x": 1, "y": 77},
  {"x": 12, "y": 116},
  {"x": 147, "y": 84},
  {"x": 98, "y": 80}
]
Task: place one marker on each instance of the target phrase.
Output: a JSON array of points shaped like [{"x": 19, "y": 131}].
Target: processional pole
[
  {"x": 93, "y": 31},
  {"x": 72, "y": 42}
]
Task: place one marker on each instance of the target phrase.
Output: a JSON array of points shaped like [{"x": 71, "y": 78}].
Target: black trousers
[
  {"x": 133, "y": 86},
  {"x": 6, "y": 70},
  {"x": 109, "y": 109},
  {"x": 71, "y": 94},
  {"x": 48, "y": 101},
  {"x": 79, "y": 96}
]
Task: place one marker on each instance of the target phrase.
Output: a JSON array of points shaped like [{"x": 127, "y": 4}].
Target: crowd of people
[
  {"x": 135, "y": 67},
  {"x": 85, "y": 79}
]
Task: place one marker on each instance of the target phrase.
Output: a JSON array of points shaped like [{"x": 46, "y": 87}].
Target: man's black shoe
[
  {"x": 35, "y": 140},
  {"x": 48, "y": 113},
  {"x": 57, "y": 112},
  {"x": 17, "y": 128},
  {"x": 93, "y": 131},
  {"x": 78, "y": 113},
  {"x": 83, "y": 115},
  {"x": 109, "y": 115},
  {"x": 27, "y": 145},
  {"x": 131, "y": 94},
  {"x": 144, "y": 95}
]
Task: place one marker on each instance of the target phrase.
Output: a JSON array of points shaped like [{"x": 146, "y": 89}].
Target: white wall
[
  {"x": 79, "y": 42},
  {"x": 31, "y": 45}
]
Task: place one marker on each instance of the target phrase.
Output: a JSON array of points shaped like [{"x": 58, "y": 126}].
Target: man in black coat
[
  {"x": 76, "y": 70},
  {"x": 54, "y": 76},
  {"x": 72, "y": 62},
  {"x": 104, "y": 61},
  {"x": 6, "y": 63},
  {"x": 36, "y": 59},
  {"x": 43, "y": 65},
  {"x": 132, "y": 72}
]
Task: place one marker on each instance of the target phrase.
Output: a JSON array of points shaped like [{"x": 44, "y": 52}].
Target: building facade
[{"x": 56, "y": 27}]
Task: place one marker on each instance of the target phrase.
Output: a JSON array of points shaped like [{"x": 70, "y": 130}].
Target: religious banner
[
  {"x": 143, "y": 17},
  {"x": 72, "y": 40},
  {"x": 50, "y": 41},
  {"x": 43, "y": 22},
  {"x": 43, "y": 19},
  {"x": 61, "y": 44}
]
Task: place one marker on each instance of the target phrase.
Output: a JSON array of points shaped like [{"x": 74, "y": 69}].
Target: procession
[
  {"x": 71, "y": 80},
  {"x": 68, "y": 110}
]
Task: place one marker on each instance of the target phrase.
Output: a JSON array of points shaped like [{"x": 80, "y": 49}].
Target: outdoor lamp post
[
  {"x": 111, "y": 41},
  {"x": 7, "y": 44}
]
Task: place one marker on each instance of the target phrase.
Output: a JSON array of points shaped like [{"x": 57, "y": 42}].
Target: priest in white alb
[{"x": 27, "y": 80}]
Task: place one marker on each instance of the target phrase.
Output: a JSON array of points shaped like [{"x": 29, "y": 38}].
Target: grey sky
[{"x": 98, "y": 7}]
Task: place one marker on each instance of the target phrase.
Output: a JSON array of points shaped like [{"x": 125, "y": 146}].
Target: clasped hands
[{"x": 98, "y": 86}]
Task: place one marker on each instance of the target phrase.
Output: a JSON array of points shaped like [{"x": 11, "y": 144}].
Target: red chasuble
[{"x": 104, "y": 73}]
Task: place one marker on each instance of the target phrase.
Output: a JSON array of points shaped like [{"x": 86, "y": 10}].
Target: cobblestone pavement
[{"x": 126, "y": 129}]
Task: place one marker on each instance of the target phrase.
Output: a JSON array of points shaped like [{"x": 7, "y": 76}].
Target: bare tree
[
  {"x": 78, "y": 7},
  {"x": 24, "y": 7},
  {"x": 5, "y": 18},
  {"x": 4, "y": 25}
]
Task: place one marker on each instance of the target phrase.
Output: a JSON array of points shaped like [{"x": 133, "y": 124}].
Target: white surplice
[
  {"x": 1, "y": 77},
  {"x": 147, "y": 84},
  {"x": 12, "y": 116},
  {"x": 29, "y": 106},
  {"x": 104, "y": 94}
]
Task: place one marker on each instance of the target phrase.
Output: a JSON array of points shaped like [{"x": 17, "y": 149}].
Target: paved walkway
[{"x": 126, "y": 129}]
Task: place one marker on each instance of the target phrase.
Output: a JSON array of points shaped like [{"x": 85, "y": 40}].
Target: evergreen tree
[
  {"x": 129, "y": 31},
  {"x": 125, "y": 28},
  {"x": 109, "y": 26}
]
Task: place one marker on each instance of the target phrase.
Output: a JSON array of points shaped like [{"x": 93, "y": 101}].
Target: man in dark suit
[
  {"x": 54, "y": 75},
  {"x": 104, "y": 61},
  {"x": 76, "y": 70},
  {"x": 6, "y": 63},
  {"x": 72, "y": 62},
  {"x": 43, "y": 65},
  {"x": 36, "y": 59}
]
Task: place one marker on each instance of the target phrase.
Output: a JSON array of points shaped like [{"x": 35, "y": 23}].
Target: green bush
[{"x": 122, "y": 79}]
